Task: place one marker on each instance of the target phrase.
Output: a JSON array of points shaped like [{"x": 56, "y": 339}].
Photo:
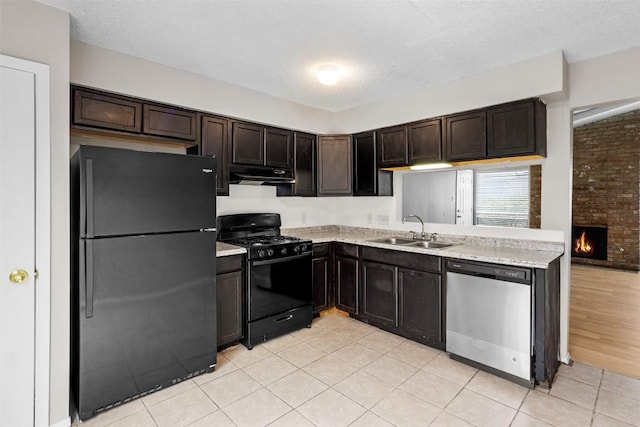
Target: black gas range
[
  {"x": 272, "y": 246},
  {"x": 278, "y": 275}
]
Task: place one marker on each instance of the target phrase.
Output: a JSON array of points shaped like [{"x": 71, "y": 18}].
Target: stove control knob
[
  {"x": 270, "y": 252},
  {"x": 304, "y": 247},
  {"x": 296, "y": 249},
  {"x": 261, "y": 253},
  {"x": 283, "y": 251}
]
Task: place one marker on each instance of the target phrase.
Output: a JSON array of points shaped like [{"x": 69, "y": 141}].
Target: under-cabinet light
[{"x": 428, "y": 166}]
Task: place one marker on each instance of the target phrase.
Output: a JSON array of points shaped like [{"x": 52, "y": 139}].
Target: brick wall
[
  {"x": 535, "y": 195},
  {"x": 606, "y": 186}
]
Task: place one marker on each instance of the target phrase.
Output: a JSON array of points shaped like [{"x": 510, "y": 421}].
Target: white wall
[
  {"x": 112, "y": 71},
  {"x": 541, "y": 76},
  {"x": 39, "y": 33}
]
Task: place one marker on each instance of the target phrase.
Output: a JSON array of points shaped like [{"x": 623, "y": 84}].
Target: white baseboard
[{"x": 62, "y": 423}]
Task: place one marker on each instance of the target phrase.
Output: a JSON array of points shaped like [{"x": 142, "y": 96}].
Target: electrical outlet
[{"x": 383, "y": 219}]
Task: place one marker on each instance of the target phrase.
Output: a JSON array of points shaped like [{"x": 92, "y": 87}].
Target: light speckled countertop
[
  {"x": 499, "y": 251},
  {"x": 225, "y": 249}
]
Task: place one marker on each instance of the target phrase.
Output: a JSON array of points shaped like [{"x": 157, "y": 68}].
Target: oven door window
[{"x": 279, "y": 285}]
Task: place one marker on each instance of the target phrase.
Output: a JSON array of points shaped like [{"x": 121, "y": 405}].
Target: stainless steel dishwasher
[{"x": 489, "y": 324}]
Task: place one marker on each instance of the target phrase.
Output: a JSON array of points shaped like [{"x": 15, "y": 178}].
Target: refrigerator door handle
[
  {"x": 88, "y": 278},
  {"x": 209, "y": 230},
  {"x": 89, "y": 197}
]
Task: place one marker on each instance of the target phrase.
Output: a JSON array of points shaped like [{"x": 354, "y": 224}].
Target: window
[{"x": 502, "y": 197}]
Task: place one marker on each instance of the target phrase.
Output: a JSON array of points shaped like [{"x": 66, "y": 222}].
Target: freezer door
[
  {"x": 125, "y": 192},
  {"x": 146, "y": 311}
]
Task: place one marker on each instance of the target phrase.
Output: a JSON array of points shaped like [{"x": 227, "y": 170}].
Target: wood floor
[{"x": 604, "y": 324}]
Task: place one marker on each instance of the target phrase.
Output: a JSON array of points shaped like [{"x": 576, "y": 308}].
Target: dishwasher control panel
[{"x": 492, "y": 271}]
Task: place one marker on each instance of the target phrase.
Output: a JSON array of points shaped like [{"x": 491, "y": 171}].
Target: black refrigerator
[{"x": 143, "y": 238}]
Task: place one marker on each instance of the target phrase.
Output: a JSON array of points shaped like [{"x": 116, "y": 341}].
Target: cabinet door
[
  {"x": 229, "y": 295},
  {"x": 247, "y": 144},
  {"x": 334, "y": 165},
  {"x": 215, "y": 142},
  {"x": 465, "y": 136},
  {"x": 106, "y": 111},
  {"x": 320, "y": 284},
  {"x": 511, "y": 130},
  {"x": 420, "y": 304},
  {"x": 346, "y": 270},
  {"x": 365, "y": 172},
  {"x": 279, "y": 148},
  {"x": 425, "y": 142},
  {"x": 169, "y": 122},
  {"x": 393, "y": 146},
  {"x": 304, "y": 166},
  {"x": 379, "y": 293}
]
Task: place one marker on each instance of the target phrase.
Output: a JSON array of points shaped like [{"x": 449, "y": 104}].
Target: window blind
[{"x": 502, "y": 197}]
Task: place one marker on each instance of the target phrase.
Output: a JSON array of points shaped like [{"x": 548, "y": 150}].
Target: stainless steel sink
[
  {"x": 428, "y": 245},
  {"x": 393, "y": 240}
]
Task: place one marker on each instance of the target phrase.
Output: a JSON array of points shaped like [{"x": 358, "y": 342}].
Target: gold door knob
[{"x": 18, "y": 276}]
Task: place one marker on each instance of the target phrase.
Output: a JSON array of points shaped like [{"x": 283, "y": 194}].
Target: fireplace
[{"x": 589, "y": 242}]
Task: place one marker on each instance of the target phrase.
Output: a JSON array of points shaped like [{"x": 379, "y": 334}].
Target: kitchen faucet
[{"x": 422, "y": 233}]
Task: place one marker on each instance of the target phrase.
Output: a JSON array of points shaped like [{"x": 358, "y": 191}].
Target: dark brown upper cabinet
[
  {"x": 425, "y": 141},
  {"x": 368, "y": 180},
  {"x": 466, "y": 136},
  {"x": 335, "y": 165},
  {"x": 304, "y": 164},
  {"x": 169, "y": 122},
  {"x": 278, "y": 148},
  {"x": 111, "y": 112},
  {"x": 215, "y": 142},
  {"x": 516, "y": 129},
  {"x": 247, "y": 144},
  {"x": 392, "y": 147},
  {"x": 257, "y": 145}
]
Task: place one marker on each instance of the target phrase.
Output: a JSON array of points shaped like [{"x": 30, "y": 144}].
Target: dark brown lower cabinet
[
  {"x": 346, "y": 277},
  {"x": 419, "y": 304},
  {"x": 402, "y": 293},
  {"x": 321, "y": 281},
  {"x": 229, "y": 298},
  {"x": 379, "y": 294}
]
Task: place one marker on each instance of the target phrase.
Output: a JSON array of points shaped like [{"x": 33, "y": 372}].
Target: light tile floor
[{"x": 343, "y": 372}]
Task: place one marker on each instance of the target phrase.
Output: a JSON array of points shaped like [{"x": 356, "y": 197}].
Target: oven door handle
[{"x": 277, "y": 260}]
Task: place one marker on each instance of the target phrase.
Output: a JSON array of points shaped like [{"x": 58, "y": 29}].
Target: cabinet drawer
[
  {"x": 170, "y": 122},
  {"x": 105, "y": 111},
  {"x": 320, "y": 250},
  {"x": 402, "y": 259},
  {"x": 342, "y": 249},
  {"x": 224, "y": 264}
]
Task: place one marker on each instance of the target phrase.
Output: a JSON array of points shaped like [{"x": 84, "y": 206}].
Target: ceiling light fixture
[
  {"x": 328, "y": 75},
  {"x": 428, "y": 166}
]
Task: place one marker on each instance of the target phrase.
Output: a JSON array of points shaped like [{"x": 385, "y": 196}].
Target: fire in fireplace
[{"x": 589, "y": 242}]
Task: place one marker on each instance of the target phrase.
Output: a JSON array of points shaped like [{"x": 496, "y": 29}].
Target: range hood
[{"x": 259, "y": 175}]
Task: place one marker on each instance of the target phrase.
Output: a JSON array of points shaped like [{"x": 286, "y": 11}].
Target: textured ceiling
[{"x": 386, "y": 47}]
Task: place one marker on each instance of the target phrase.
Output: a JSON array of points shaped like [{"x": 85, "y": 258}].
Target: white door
[
  {"x": 17, "y": 247},
  {"x": 464, "y": 197}
]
